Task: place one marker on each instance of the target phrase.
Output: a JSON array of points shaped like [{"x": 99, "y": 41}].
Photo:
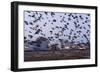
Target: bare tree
[{"x": 54, "y": 48}]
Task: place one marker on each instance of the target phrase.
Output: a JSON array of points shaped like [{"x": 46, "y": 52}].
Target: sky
[{"x": 57, "y": 25}]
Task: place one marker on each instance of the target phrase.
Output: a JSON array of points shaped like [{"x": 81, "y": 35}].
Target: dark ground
[{"x": 57, "y": 55}]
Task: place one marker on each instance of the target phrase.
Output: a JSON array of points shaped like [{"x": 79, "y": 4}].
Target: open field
[{"x": 56, "y": 55}]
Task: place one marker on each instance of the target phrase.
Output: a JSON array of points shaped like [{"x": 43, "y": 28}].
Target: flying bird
[{"x": 37, "y": 32}]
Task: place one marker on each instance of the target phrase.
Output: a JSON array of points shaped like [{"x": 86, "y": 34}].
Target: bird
[
  {"x": 66, "y": 26},
  {"x": 24, "y": 37},
  {"x": 52, "y": 14},
  {"x": 81, "y": 17},
  {"x": 46, "y": 13},
  {"x": 33, "y": 15},
  {"x": 30, "y": 36},
  {"x": 51, "y": 32},
  {"x": 54, "y": 20},
  {"x": 26, "y": 22},
  {"x": 31, "y": 23},
  {"x": 28, "y": 11},
  {"x": 37, "y": 32},
  {"x": 30, "y": 32}
]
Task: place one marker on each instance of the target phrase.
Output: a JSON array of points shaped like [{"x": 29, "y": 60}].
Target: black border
[{"x": 14, "y": 35}]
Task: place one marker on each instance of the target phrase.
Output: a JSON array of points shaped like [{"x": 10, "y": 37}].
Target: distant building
[{"x": 41, "y": 43}]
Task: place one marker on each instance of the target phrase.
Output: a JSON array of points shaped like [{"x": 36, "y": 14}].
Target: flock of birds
[{"x": 72, "y": 27}]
